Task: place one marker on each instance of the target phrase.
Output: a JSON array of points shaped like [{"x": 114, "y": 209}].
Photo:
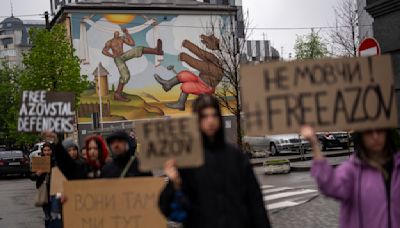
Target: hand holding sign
[{"x": 172, "y": 173}]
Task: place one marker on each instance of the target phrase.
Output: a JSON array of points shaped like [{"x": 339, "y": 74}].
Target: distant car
[
  {"x": 330, "y": 140},
  {"x": 37, "y": 150},
  {"x": 255, "y": 146},
  {"x": 14, "y": 162},
  {"x": 287, "y": 143}
]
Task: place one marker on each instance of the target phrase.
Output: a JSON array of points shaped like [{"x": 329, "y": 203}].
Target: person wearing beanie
[
  {"x": 97, "y": 153},
  {"x": 72, "y": 148},
  {"x": 123, "y": 148}
]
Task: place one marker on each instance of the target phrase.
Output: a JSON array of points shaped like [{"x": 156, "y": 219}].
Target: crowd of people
[{"x": 224, "y": 192}]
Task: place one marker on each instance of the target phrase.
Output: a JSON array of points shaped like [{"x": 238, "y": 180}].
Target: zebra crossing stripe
[
  {"x": 267, "y": 186},
  {"x": 273, "y": 206},
  {"x": 267, "y": 191},
  {"x": 287, "y": 194}
]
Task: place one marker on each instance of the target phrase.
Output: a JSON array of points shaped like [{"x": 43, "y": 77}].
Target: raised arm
[
  {"x": 106, "y": 49},
  {"x": 127, "y": 38},
  {"x": 333, "y": 182}
]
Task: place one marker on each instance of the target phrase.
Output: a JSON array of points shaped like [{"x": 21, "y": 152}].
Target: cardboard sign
[
  {"x": 329, "y": 94},
  {"x": 41, "y": 164},
  {"x": 56, "y": 181},
  {"x": 47, "y": 111},
  {"x": 177, "y": 138},
  {"x": 113, "y": 203}
]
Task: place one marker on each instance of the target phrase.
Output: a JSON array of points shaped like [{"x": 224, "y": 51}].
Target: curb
[
  {"x": 307, "y": 158},
  {"x": 304, "y": 168}
]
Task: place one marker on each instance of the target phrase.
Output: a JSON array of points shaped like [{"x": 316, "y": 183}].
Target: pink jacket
[{"x": 361, "y": 192}]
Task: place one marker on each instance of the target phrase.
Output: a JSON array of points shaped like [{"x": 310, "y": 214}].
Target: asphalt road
[
  {"x": 16, "y": 204},
  {"x": 317, "y": 212},
  {"x": 292, "y": 200}
]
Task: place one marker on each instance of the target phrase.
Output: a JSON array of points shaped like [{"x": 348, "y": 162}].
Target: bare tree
[
  {"x": 232, "y": 41},
  {"x": 344, "y": 38}
]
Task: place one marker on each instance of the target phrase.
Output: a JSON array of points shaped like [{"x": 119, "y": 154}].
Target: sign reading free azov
[{"x": 47, "y": 111}]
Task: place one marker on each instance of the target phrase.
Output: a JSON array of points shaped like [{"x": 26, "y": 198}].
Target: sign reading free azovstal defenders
[
  {"x": 47, "y": 111},
  {"x": 329, "y": 94}
]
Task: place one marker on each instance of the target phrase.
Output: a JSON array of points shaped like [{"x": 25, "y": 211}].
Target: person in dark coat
[
  {"x": 80, "y": 166},
  {"x": 123, "y": 149},
  {"x": 39, "y": 177},
  {"x": 224, "y": 192}
]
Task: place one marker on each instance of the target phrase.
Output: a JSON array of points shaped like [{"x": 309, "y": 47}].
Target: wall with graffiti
[{"x": 143, "y": 66}]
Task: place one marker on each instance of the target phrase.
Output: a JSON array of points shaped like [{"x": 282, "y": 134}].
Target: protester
[
  {"x": 75, "y": 160},
  {"x": 97, "y": 153},
  {"x": 223, "y": 192},
  {"x": 367, "y": 184},
  {"x": 84, "y": 152},
  {"x": 123, "y": 149},
  {"x": 44, "y": 178}
]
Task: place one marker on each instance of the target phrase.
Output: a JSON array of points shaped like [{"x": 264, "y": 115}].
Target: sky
[{"x": 262, "y": 13}]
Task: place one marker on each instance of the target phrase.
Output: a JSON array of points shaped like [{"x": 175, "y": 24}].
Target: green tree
[
  {"x": 310, "y": 46},
  {"x": 9, "y": 104},
  {"x": 51, "y": 64}
]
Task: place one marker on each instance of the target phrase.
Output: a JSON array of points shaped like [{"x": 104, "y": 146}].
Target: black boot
[
  {"x": 167, "y": 84},
  {"x": 181, "y": 102}
]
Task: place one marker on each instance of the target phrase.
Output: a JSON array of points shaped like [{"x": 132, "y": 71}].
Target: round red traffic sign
[{"x": 369, "y": 47}]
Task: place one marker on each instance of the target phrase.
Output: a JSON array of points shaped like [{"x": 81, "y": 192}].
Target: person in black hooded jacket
[
  {"x": 224, "y": 192},
  {"x": 123, "y": 148}
]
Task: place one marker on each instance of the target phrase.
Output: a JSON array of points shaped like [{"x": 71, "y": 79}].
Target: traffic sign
[{"x": 369, "y": 47}]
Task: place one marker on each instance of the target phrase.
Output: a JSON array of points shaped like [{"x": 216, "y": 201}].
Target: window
[{"x": 8, "y": 25}]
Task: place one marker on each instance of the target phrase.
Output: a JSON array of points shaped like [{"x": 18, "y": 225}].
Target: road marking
[
  {"x": 287, "y": 194},
  {"x": 267, "y": 186},
  {"x": 281, "y": 204},
  {"x": 271, "y": 190}
]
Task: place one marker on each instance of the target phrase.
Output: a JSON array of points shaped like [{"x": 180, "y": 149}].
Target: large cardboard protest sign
[
  {"x": 47, "y": 111},
  {"x": 41, "y": 164},
  {"x": 329, "y": 94},
  {"x": 163, "y": 139},
  {"x": 57, "y": 180},
  {"x": 129, "y": 202}
]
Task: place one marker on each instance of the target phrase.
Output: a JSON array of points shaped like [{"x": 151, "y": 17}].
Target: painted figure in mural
[
  {"x": 120, "y": 57},
  {"x": 208, "y": 65}
]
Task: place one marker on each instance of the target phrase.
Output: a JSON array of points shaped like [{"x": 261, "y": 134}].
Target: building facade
[
  {"x": 156, "y": 57},
  {"x": 365, "y": 21},
  {"x": 14, "y": 39},
  {"x": 386, "y": 27},
  {"x": 259, "y": 51}
]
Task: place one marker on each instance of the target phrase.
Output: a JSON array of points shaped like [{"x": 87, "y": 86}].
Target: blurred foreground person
[
  {"x": 367, "y": 184},
  {"x": 223, "y": 192},
  {"x": 124, "y": 162}
]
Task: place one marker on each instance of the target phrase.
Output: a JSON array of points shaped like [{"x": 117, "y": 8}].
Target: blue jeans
[{"x": 52, "y": 213}]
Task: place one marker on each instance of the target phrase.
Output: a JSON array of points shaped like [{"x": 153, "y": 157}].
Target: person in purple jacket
[{"x": 367, "y": 184}]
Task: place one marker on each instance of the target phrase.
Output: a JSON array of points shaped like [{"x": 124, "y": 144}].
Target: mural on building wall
[{"x": 144, "y": 66}]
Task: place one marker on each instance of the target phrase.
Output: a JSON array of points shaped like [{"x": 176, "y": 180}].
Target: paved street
[
  {"x": 16, "y": 204},
  {"x": 292, "y": 199},
  {"x": 298, "y": 204}
]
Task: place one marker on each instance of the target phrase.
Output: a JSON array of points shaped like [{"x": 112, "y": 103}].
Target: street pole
[
  {"x": 46, "y": 17},
  {"x": 100, "y": 98}
]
